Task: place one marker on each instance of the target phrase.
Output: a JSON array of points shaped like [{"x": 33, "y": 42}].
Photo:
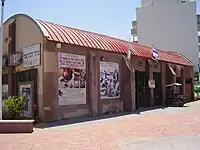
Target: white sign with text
[{"x": 31, "y": 55}]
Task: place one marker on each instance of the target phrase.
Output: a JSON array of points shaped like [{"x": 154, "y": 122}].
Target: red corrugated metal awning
[{"x": 68, "y": 35}]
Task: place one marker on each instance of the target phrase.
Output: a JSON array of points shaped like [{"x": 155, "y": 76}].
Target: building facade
[
  {"x": 66, "y": 72},
  {"x": 170, "y": 25}
]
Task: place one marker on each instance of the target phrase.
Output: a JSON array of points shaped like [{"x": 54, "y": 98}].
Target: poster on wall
[
  {"x": 31, "y": 55},
  {"x": 4, "y": 91},
  {"x": 109, "y": 80},
  {"x": 72, "y": 79},
  {"x": 25, "y": 89}
]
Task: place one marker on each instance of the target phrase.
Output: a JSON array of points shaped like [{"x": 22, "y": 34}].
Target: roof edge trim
[
  {"x": 32, "y": 19},
  {"x": 179, "y": 54}
]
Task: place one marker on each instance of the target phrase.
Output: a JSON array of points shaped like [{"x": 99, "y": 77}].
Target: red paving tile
[{"x": 103, "y": 135}]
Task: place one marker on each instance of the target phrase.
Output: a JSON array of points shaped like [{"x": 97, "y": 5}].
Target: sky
[{"x": 109, "y": 17}]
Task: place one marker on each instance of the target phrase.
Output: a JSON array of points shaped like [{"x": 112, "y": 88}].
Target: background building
[
  {"x": 170, "y": 24},
  {"x": 134, "y": 31},
  {"x": 198, "y": 26}
]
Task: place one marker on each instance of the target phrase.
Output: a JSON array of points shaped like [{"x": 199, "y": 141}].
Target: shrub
[
  {"x": 197, "y": 88},
  {"x": 15, "y": 106}
]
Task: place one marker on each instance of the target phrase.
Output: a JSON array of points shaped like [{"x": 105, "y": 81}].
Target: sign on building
[
  {"x": 72, "y": 79},
  {"x": 31, "y": 55},
  {"x": 109, "y": 80},
  {"x": 15, "y": 59}
]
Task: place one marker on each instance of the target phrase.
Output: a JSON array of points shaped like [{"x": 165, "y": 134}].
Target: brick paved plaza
[{"x": 170, "y": 128}]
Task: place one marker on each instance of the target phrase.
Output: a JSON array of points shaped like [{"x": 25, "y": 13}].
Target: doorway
[
  {"x": 28, "y": 77},
  {"x": 189, "y": 89},
  {"x": 141, "y": 89},
  {"x": 158, "y": 88}
]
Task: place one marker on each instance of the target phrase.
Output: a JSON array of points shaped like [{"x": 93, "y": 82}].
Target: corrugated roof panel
[
  {"x": 94, "y": 42},
  {"x": 53, "y": 33},
  {"x": 87, "y": 39},
  {"x": 78, "y": 39},
  {"x": 72, "y": 36},
  {"x": 113, "y": 44},
  {"x": 101, "y": 41},
  {"x": 65, "y": 38},
  {"x": 65, "y": 34},
  {"x": 57, "y": 32},
  {"x": 46, "y": 33},
  {"x": 82, "y": 38}
]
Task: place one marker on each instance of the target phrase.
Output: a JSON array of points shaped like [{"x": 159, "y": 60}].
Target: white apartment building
[
  {"x": 198, "y": 26},
  {"x": 170, "y": 25}
]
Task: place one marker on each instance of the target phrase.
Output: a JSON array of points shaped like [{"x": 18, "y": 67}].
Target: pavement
[{"x": 162, "y": 128}]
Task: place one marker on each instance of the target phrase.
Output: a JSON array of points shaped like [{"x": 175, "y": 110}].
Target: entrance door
[
  {"x": 26, "y": 78},
  {"x": 189, "y": 89},
  {"x": 158, "y": 88},
  {"x": 141, "y": 90}
]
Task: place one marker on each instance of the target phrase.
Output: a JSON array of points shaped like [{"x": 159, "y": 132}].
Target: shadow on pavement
[
  {"x": 89, "y": 119},
  {"x": 78, "y": 120}
]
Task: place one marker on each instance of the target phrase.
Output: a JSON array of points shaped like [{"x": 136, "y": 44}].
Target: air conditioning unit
[{"x": 15, "y": 59}]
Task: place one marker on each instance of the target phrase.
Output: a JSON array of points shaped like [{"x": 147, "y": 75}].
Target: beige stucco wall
[{"x": 27, "y": 34}]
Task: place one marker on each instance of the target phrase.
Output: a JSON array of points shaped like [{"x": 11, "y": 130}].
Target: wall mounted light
[
  {"x": 140, "y": 64},
  {"x": 102, "y": 58},
  {"x": 58, "y": 45}
]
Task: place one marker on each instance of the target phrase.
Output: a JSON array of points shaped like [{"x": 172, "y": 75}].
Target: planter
[{"x": 16, "y": 126}]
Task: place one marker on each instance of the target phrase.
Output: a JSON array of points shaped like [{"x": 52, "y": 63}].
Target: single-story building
[{"x": 67, "y": 72}]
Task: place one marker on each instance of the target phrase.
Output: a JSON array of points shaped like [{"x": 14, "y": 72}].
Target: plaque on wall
[
  {"x": 31, "y": 55},
  {"x": 151, "y": 83}
]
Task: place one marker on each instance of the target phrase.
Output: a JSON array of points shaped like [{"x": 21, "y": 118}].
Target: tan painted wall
[
  {"x": 189, "y": 72},
  {"x": 27, "y": 34},
  {"x": 156, "y": 67},
  {"x": 111, "y": 105},
  {"x": 52, "y": 110},
  {"x": 94, "y": 105}
]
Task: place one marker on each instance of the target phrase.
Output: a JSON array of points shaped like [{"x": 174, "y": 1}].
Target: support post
[
  {"x": 94, "y": 96},
  {"x": 163, "y": 72},
  {"x": 151, "y": 89},
  {"x": 1, "y": 52},
  {"x": 132, "y": 78}
]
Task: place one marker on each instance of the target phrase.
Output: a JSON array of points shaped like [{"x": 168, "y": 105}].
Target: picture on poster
[
  {"x": 109, "y": 80},
  {"x": 25, "y": 89},
  {"x": 72, "y": 79},
  {"x": 4, "y": 91}
]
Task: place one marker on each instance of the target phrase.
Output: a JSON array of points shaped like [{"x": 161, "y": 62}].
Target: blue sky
[{"x": 110, "y": 17}]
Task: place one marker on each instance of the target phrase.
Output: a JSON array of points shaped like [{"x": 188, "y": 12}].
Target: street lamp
[{"x": 1, "y": 55}]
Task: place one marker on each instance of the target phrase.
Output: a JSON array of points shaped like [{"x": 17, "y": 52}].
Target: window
[
  {"x": 183, "y": 2},
  {"x": 199, "y": 39}
]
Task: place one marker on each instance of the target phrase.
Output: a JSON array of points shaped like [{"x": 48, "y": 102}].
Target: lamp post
[{"x": 1, "y": 54}]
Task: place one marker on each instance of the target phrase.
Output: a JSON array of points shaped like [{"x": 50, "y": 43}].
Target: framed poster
[
  {"x": 26, "y": 89},
  {"x": 71, "y": 79},
  {"x": 109, "y": 80},
  {"x": 31, "y": 55}
]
